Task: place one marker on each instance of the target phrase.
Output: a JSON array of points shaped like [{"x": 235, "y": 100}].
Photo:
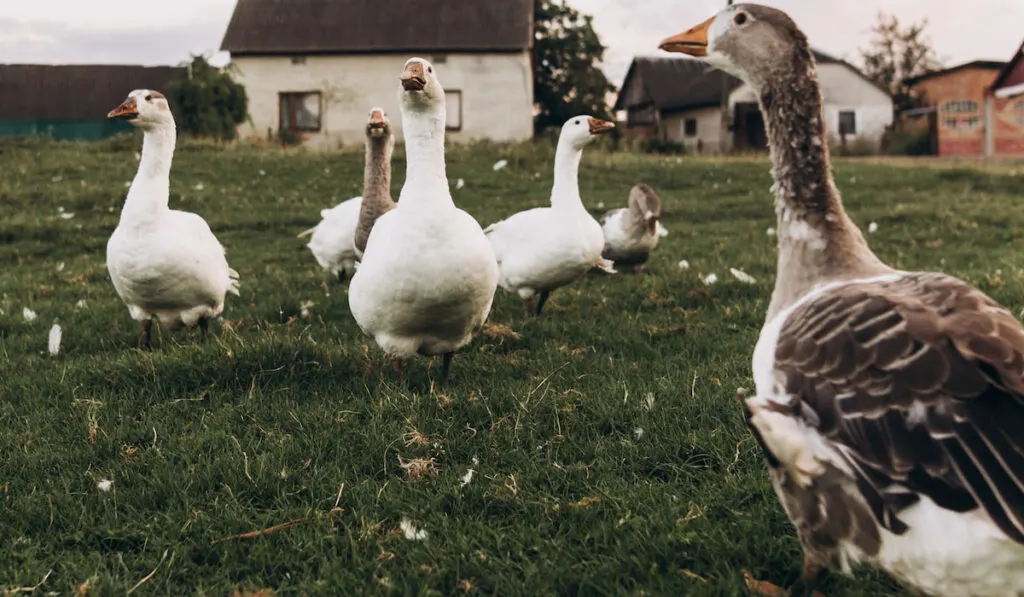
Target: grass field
[{"x": 609, "y": 456}]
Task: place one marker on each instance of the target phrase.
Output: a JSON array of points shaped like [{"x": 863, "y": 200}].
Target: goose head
[
  {"x": 580, "y": 131},
  {"x": 145, "y": 109},
  {"x": 753, "y": 42},
  {"x": 378, "y": 125},
  {"x": 421, "y": 89}
]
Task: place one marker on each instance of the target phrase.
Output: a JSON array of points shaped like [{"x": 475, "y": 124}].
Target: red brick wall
[
  {"x": 959, "y": 97},
  {"x": 1008, "y": 121}
]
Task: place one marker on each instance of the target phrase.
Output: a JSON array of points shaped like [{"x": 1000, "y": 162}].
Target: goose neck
[
  {"x": 565, "y": 192},
  {"x": 150, "y": 190},
  {"x": 424, "y": 151}
]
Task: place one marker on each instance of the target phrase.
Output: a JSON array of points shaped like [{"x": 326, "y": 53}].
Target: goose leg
[
  {"x": 396, "y": 364},
  {"x": 543, "y": 299},
  {"x": 146, "y": 333},
  {"x": 529, "y": 305},
  {"x": 204, "y": 327},
  {"x": 446, "y": 366},
  {"x": 341, "y": 276},
  {"x": 812, "y": 576}
]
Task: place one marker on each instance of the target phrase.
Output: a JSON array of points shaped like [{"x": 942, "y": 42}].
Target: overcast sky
[{"x": 166, "y": 31}]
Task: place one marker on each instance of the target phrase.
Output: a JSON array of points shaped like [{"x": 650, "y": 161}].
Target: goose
[
  {"x": 164, "y": 263},
  {"x": 428, "y": 275},
  {"x": 632, "y": 232},
  {"x": 545, "y": 248},
  {"x": 332, "y": 241},
  {"x": 337, "y": 242},
  {"x": 889, "y": 404},
  {"x": 380, "y": 142}
]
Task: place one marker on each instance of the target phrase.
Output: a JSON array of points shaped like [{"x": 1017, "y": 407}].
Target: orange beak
[
  {"x": 377, "y": 119},
  {"x": 694, "y": 41},
  {"x": 652, "y": 226},
  {"x": 128, "y": 110},
  {"x": 598, "y": 126},
  {"x": 412, "y": 77}
]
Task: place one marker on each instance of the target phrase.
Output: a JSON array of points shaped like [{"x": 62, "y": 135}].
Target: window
[
  {"x": 690, "y": 127},
  {"x": 960, "y": 107},
  {"x": 637, "y": 116},
  {"x": 440, "y": 58},
  {"x": 298, "y": 60},
  {"x": 453, "y": 105},
  {"x": 300, "y": 111},
  {"x": 847, "y": 122}
]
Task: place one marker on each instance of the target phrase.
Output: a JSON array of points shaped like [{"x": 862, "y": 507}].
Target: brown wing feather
[{"x": 921, "y": 381}]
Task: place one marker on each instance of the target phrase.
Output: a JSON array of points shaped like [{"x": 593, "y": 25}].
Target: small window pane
[
  {"x": 690, "y": 127},
  {"x": 848, "y": 123},
  {"x": 453, "y": 106}
]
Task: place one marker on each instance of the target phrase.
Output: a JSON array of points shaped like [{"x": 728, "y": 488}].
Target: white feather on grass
[
  {"x": 410, "y": 531},
  {"x": 28, "y": 314},
  {"x": 742, "y": 276},
  {"x": 54, "y": 340}
]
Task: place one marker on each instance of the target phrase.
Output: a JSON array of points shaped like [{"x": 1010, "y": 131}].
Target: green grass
[{"x": 262, "y": 424}]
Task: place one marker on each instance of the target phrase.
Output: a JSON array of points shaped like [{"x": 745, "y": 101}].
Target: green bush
[
  {"x": 206, "y": 101},
  {"x": 917, "y": 142}
]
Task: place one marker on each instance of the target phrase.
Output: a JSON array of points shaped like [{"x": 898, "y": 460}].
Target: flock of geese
[{"x": 889, "y": 405}]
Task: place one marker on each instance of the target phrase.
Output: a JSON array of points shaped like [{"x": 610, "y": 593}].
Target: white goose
[
  {"x": 337, "y": 242},
  {"x": 545, "y": 248},
  {"x": 164, "y": 263},
  {"x": 890, "y": 404},
  {"x": 428, "y": 274},
  {"x": 632, "y": 232}
]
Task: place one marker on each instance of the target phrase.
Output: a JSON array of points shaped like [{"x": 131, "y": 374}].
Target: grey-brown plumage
[
  {"x": 890, "y": 405},
  {"x": 631, "y": 233},
  {"x": 380, "y": 142}
]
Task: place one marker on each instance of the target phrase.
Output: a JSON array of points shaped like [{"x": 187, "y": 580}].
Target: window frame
[
  {"x": 687, "y": 132},
  {"x": 447, "y": 94},
  {"x": 852, "y": 131},
  {"x": 293, "y": 125}
]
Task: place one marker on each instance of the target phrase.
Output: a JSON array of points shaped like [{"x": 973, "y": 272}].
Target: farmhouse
[
  {"x": 71, "y": 101},
  {"x": 679, "y": 99},
  {"x": 313, "y": 68}
]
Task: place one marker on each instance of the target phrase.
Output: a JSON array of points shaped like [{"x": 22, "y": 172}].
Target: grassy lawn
[{"x": 609, "y": 456}]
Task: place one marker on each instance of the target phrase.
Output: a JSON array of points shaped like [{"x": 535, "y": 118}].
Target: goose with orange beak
[
  {"x": 545, "y": 248},
  {"x": 889, "y": 404},
  {"x": 165, "y": 264}
]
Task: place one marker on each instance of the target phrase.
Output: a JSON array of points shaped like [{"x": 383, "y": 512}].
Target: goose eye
[
  {"x": 740, "y": 18},
  {"x": 149, "y": 98},
  {"x": 430, "y": 69}
]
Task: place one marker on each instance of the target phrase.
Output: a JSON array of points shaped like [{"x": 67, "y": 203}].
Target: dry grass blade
[{"x": 254, "y": 534}]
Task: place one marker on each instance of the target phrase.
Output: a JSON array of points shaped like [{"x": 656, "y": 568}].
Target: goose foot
[
  {"x": 146, "y": 333},
  {"x": 803, "y": 587},
  {"x": 544, "y": 294},
  {"x": 446, "y": 366},
  {"x": 396, "y": 364},
  {"x": 204, "y": 328}
]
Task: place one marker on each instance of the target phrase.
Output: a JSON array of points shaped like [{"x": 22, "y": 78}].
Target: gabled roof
[
  {"x": 74, "y": 91},
  {"x": 978, "y": 64},
  {"x": 1013, "y": 66},
  {"x": 677, "y": 83},
  {"x": 372, "y": 26},
  {"x": 682, "y": 83}
]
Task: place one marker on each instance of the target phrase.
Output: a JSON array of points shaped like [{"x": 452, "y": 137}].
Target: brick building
[
  {"x": 958, "y": 96},
  {"x": 1007, "y": 108}
]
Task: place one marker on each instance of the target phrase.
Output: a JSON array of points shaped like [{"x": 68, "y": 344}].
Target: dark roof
[
  {"x": 683, "y": 83},
  {"x": 982, "y": 64},
  {"x": 1001, "y": 79},
  {"x": 74, "y": 91},
  {"x": 365, "y": 26}
]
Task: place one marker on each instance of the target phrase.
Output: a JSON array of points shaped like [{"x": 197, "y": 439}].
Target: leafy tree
[
  {"x": 897, "y": 54},
  {"x": 567, "y": 78},
  {"x": 207, "y": 102}
]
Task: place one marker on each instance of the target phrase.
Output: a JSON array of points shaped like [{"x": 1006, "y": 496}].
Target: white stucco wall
[
  {"x": 843, "y": 90},
  {"x": 709, "y": 129},
  {"x": 496, "y": 91}
]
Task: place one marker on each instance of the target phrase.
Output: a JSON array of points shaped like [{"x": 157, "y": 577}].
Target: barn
[
  {"x": 681, "y": 100},
  {"x": 312, "y": 69},
  {"x": 70, "y": 102}
]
